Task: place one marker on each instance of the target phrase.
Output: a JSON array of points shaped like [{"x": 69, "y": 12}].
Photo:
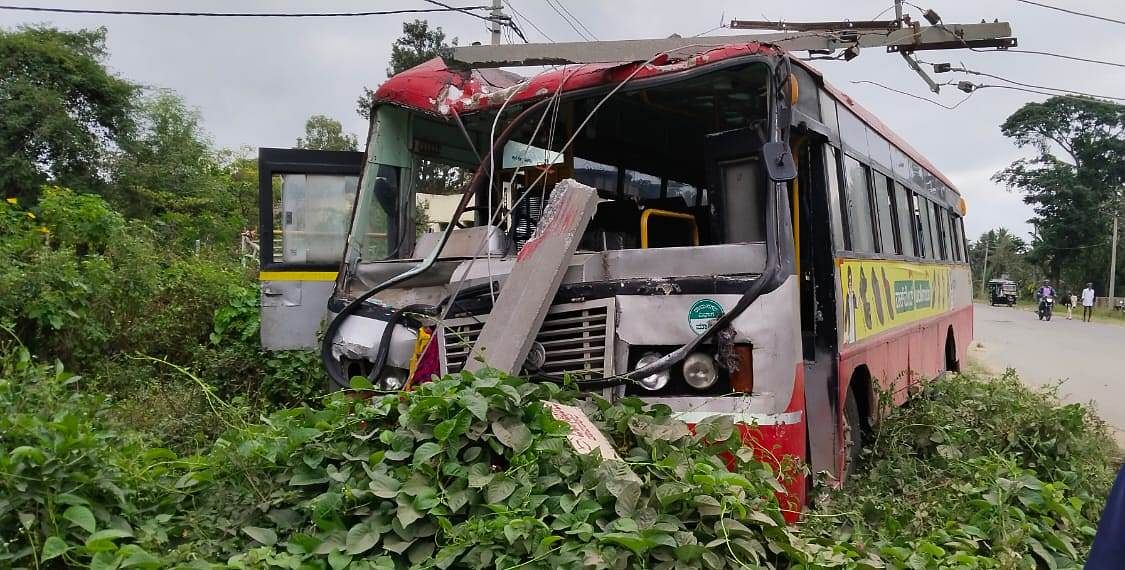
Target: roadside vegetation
[{"x": 141, "y": 426}]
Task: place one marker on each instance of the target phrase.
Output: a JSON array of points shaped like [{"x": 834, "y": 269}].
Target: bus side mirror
[{"x": 779, "y": 162}]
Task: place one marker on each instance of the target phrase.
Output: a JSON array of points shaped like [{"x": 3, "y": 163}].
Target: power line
[
  {"x": 464, "y": 9},
  {"x": 908, "y": 94},
  {"x": 575, "y": 18},
  {"x": 978, "y": 86},
  {"x": 1032, "y": 86},
  {"x": 528, "y": 20},
  {"x": 1052, "y": 54},
  {"x": 568, "y": 22},
  {"x": 1074, "y": 12}
]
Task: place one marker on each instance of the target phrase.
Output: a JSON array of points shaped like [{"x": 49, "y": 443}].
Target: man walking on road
[
  {"x": 1071, "y": 301},
  {"x": 1088, "y": 303}
]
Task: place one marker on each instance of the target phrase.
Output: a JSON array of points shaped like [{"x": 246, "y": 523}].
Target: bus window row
[{"x": 873, "y": 213}]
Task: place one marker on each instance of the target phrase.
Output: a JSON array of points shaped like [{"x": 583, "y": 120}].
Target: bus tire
[
  {"x": 952, "y": 364},
  {"x": 853, "y": 434}
]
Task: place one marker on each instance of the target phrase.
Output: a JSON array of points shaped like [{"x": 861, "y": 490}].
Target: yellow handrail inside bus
[
  {"x": 667, "y": 214},
  {"x": 796, "y": 203}
]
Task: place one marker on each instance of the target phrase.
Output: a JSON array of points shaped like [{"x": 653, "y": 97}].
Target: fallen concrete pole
[{"x": 507, "y": 336}]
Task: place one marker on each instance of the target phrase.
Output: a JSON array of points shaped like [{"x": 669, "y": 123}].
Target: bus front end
[{"x": 684, "y": 288}]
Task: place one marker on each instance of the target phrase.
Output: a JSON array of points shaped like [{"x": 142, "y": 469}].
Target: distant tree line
[{"x": 1075, "y": 184}]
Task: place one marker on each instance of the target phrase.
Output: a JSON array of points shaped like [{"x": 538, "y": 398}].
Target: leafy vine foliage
[{"x": 475, "y": 472}]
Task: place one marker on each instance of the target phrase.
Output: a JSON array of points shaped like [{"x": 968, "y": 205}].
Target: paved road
[{"x": 1089, "y": 357}]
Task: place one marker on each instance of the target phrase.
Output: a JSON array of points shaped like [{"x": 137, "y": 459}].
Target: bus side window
[
  {"x": 886, "y": 211},
  {"x": 932, "y": 236},
  {"x": 950, "y": 236},
  {"x": 925, "y": 245},
  {"x": 859, "y": 206},
  {"x": 959, "y": 226},
  {"x": 940, "y": 221},
  {"x": 958, "y": 239},
  {"x": 905, "y": 219},
  {"x": 832, "y": 171}
]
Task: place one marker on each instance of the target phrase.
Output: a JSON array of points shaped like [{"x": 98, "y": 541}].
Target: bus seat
[{"x": 615, "y": 225}]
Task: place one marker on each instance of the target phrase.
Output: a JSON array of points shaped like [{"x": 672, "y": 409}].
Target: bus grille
[{"x": 576, "y": 337}]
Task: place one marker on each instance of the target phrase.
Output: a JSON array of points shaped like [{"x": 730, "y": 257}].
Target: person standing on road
[
  {"x": 1088, "y": 303},
  {"x": 1071, "y": 301}
]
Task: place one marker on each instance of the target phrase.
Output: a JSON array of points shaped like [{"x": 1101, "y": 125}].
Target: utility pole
[
  {"x": 496, "y": 14},
  {"x": 820, "y": 37},
  {"x": 1113, "y": 256},
  {"x": 984, "y": 270}
]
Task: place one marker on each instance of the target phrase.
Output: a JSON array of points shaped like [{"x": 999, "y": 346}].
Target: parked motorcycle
[{"x": 1046, "y": 307}]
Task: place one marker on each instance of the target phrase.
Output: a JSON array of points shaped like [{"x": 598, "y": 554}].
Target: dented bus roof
[{"x": 435, "y": 87}]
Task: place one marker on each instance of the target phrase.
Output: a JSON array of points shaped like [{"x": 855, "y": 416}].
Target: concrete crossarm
[{"x": 562, "y": 53}]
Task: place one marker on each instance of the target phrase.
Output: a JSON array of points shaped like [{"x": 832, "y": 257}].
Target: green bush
[
  {"x": 473, "y": 472},
  {"x": 983, "y": 468},
  {"x": 68, "y": 486}
]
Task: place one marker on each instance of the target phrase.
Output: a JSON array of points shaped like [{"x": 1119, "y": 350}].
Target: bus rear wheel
[{"x": 853, "y": 435}]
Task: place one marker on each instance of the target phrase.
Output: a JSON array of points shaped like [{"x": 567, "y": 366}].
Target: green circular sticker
[{"x": 704, "y": 312}]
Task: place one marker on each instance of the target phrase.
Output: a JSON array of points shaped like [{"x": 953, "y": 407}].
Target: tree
[
  {"x": 326, "y": 133},
  {"x": 61, "y": 109},
  {"x": 417, "y": 44},
  {"x": 1007, "y": 256},
  {"x": 166, "y": 168},
  {"x": 1074, "y": 183}
]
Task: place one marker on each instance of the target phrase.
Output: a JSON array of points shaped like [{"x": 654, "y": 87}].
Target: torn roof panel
[{"x": 436, "y": 88}]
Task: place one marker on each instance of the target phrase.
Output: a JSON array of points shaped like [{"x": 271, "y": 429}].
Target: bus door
[
  {"x": 816, "y": 271},
  {"x": 305, "y": 201}
]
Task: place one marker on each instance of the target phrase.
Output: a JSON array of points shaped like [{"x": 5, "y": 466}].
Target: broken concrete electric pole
[{"x": 524, "y": 300}]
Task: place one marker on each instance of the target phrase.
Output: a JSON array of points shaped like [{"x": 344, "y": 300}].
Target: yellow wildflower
[
  {"x": 12, "y": 201},
  {"x": 30, "y": 215}
]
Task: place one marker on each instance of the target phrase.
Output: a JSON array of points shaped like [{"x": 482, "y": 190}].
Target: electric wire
[
  {"x": 528, "y": 20},
  {"x": 445, "y": 8},
  {"x": 1025, "y": 51},
  {"x": 1033, "y": 86},
  {"x": 568, "y": 22},
  {"x": 489, "y": 18},
  {"x": 1052, "y": 54},
  {"x": 908, "y": 94},
  {"x": 977, "y": 86},
  {"x": 575, "y": 18},
  {"x": 1073, "y": 12}
]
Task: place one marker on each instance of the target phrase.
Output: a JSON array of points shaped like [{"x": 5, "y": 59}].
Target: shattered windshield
[{"x": 645, "y": 149}]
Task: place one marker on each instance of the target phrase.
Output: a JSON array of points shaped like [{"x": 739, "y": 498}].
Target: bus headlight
[
  {"x": 652, "y": 382},
  {"x": 700, "y": 371},
  {"x": 392, "y": 381}
]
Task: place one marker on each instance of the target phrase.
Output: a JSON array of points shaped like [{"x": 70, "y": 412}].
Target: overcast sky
[{"x": 255, "y": 81}]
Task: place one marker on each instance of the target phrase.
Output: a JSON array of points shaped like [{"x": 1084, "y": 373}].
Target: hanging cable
[
  {"x": 975, "y": 86},
  {"x": 444, "y": 8},
  {"x": 908, "y": 94},
  {"x": 1025, "y": 51},
  {"x": 466, "y": 11},
  {"x": 575, "y": 18},
  {"x": 1052, "y": 54},
  {"x": 1032, "y": 86},
  {"x": 528, "y": 20},
  {"x": 568, "y": 22},
  {"x": 1073, "y": 12}
]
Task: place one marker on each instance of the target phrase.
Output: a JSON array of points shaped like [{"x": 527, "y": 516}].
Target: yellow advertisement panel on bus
[{"x": 877, "y": 295}]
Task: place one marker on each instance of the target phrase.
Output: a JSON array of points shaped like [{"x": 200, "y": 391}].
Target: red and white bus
[{"x": 762, "y": 248}]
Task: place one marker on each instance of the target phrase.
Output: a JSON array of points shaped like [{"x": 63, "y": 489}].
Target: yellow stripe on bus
[{"x": 297, "y": 276}]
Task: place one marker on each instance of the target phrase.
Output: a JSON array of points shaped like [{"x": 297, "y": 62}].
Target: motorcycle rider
[{"x": 1043, "y": 293}]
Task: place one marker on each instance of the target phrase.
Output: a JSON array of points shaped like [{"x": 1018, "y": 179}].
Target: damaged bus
[{"x": 761, "y": 247}]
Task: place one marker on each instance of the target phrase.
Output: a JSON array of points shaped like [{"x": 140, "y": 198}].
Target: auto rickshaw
[{"x": 1002, "y": 292}]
